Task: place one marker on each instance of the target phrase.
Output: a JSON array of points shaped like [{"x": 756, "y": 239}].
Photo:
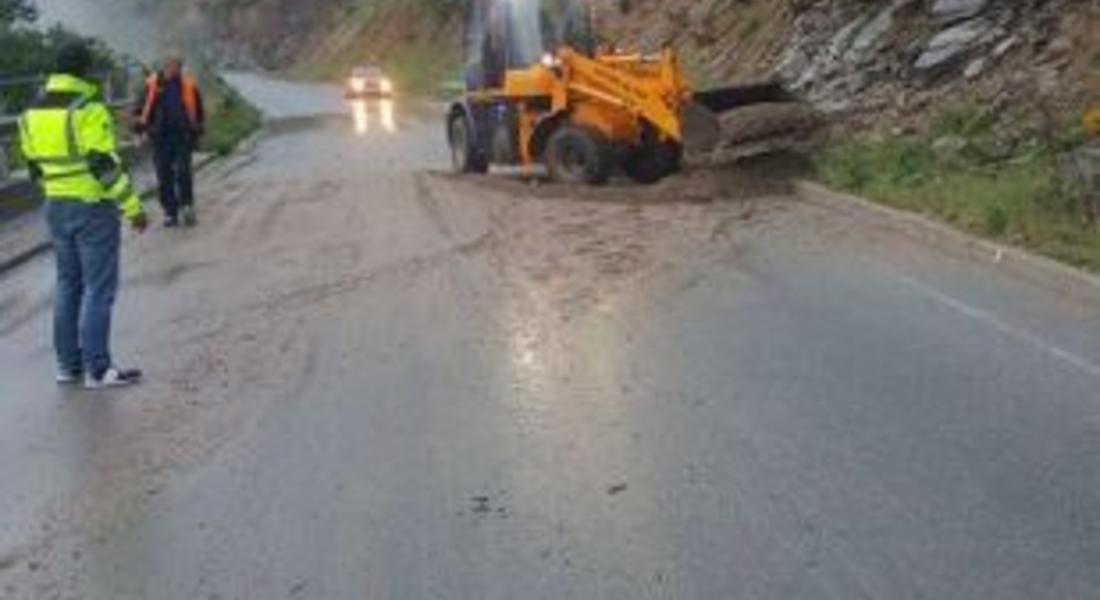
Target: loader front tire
[
  {"x": 466, "y": 157},
  {"x": 653, "y": 162},
  {"x": 576, "y": 155}
]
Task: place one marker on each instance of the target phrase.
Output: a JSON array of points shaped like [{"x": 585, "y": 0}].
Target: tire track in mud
[
  {"x": 220, "y": 384},
  {"x": 430, "y": 205},
  {"x": 17, "y": 311},
  {"x": 403, "y": 270},
  {"x": 581, "y": 246},
  {"x": 314, "y": 295},
  {"x": 578, "y": 252},
  {"x": 165, "y": 276},
  {"x": 270, "y": 213}
]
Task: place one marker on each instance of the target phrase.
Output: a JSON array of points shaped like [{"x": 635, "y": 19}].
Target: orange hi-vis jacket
[{"x": 189, "y": 91}]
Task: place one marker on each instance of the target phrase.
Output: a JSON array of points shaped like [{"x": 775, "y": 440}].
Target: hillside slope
[
  {"x": 321, "y": 38},
  {"x": 874, "y": 61}
]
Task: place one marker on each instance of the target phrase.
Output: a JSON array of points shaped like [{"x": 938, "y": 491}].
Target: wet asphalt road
[{"x": 368, "y": 379}]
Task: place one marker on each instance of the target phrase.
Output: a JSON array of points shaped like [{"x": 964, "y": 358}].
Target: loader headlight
[{"x": 550, "y": 61}]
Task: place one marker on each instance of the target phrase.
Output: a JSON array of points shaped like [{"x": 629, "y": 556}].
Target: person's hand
[{"x": 140, "y": 223}]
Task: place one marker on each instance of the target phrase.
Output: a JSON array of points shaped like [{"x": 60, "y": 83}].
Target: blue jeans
[{"x": 86, "y": 238}]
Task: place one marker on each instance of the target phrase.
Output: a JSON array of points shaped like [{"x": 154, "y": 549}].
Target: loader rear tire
[
  {"x": 576, "y": 155},
  {"x": 466, "y": 157},
  {"x": 653, "y": 162}
]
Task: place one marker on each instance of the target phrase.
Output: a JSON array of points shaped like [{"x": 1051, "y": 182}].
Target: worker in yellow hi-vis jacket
[{"x": 68, "y": 140}]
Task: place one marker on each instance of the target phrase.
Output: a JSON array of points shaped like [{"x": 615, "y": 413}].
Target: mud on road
[{"x": 223, "y": 318}]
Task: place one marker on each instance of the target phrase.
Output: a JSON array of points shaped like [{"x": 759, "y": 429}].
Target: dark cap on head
[{"x": 74, "y": 59}]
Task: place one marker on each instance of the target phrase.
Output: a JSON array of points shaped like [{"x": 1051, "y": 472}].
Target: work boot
[
  {"x": 189, "y": 218},
  {"x": 113, "y": 378},
  {"x": 171, "y": 223}
]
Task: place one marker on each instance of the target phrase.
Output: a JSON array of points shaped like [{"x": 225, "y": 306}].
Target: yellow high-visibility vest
[{"x": 62, "y": 133}]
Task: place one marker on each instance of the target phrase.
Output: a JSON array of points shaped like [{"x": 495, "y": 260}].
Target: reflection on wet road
[
  {"x": 368, "y": 379},
  {"x": 379, "y": 111}
]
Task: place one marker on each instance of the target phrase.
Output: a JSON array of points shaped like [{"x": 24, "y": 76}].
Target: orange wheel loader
[{"x": 542, "y": 88}]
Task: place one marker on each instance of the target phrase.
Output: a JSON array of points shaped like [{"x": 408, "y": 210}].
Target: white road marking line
[{"x": 991, "y": 320}]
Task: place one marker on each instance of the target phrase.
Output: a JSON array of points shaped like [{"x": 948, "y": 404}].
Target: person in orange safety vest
[{"x": 171, "y": 112}]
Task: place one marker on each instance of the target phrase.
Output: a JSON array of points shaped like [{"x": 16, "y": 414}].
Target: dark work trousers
[{"x": 174, "y": 176}]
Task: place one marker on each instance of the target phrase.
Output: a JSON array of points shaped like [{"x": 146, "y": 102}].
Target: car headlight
[
  {"x": 386, "y": 86},
  {"x": 358, "y": 84}
]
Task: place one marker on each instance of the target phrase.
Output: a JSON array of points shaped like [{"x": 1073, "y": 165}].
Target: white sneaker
[{"x": 113, "y": 378}]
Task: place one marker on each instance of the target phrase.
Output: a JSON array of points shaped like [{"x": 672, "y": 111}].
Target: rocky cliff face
[
  {"x": 876, "y": 61},
  {"x": 270, "y": 34}
]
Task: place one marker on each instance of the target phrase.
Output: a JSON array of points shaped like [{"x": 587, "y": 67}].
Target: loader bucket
[
  {"x": 720, "y": 100},
  {"x": 741, "y": 118},
  {"x": 701, "y": 127}
]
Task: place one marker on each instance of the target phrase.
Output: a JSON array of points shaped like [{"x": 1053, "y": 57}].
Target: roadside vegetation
[
  {"x": 231, "y": 118},
  {"x": 26, "y": 52},
  {"x": 967, "y": 170}
]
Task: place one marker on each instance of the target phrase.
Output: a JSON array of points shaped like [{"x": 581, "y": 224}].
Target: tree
[{"x": 16, "y": 11}]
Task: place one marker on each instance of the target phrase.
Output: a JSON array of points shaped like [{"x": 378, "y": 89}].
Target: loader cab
[{"x": 501, "y": 35}]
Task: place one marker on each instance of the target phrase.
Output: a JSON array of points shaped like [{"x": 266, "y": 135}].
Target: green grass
[
  {"x": 231, "y": 120},
  {"x": 965, "y": 119},
  {"x": 422, "y": 69},
  {"x": 1021, "y": 200}
]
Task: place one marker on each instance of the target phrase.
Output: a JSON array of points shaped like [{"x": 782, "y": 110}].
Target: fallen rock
[
  {"x": 976, "y": 68},
  {"x": 840, "y": 43},
  {"x": 1006, "y": 45},
  {"x": 951, "y": 45},
  {"x": 952, "y": 11},
  {"x": 1060, "y": 47},
  {"x": 870, "y": 35}
]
